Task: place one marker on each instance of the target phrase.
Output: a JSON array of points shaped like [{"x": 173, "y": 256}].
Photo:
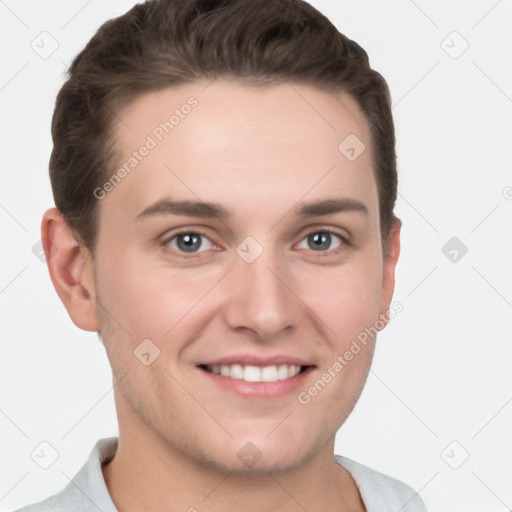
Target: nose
[{"x": 261, "y": 298}]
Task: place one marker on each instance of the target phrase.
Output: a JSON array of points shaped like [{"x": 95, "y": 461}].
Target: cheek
[
  {"x": 346, "y": 300},
  {"x": 152, "y": 302}
]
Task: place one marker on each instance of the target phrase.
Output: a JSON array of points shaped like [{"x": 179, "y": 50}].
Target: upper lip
[{"x": 254, "y": 360}]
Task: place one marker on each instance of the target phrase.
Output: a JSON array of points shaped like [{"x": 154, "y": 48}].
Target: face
[{"x": 244, "y": 247}]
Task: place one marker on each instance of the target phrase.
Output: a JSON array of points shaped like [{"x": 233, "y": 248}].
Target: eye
[
  {"x": 321, "y": 241},
  {"x": 189, "y": 242}
]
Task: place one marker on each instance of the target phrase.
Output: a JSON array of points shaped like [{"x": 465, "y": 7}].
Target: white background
[{"x": 442, "y": 367}]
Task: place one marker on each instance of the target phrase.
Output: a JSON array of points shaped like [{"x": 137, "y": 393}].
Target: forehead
[{"x": 222, "y": 140}]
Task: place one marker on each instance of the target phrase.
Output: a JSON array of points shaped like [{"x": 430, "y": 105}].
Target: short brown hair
[{"x": 162, "y": 43}]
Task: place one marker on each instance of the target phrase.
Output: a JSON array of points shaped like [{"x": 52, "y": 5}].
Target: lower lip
[{"x": 259, "y": 390}]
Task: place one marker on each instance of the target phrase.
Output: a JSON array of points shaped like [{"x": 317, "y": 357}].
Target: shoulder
[
  {"x": 65, "y": 500},
  {"x": 380, "y": 492},
  {"x": 87, "y": 491}
]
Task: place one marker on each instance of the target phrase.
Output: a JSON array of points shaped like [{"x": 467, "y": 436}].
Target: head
[{"x": 224, "y": 175}]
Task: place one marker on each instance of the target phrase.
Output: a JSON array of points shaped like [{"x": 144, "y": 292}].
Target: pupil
[
  {"x": 189, "y": 242},
  {"x": 320, "y": 241}
]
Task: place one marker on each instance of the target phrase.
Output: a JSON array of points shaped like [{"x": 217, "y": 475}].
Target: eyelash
[{"x": 345, "y": 243}]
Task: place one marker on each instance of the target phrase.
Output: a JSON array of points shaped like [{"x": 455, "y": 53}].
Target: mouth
[
  {"x": 258, "y": 376},
  {"x": 253, "y": 373}
]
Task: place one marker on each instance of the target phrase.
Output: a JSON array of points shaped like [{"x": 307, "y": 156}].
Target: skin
[{"x": 261, "y": 153}]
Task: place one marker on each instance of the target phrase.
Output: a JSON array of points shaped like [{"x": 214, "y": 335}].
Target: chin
[
  {"x": 258, "y": 456},
  {"x": 273, "y": 463}
]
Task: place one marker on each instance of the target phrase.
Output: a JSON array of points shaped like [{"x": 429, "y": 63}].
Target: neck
[{"x": 147, "y": 473}]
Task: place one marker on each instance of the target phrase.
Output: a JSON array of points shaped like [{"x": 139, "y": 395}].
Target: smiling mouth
[{"x": 250, "y": 373}]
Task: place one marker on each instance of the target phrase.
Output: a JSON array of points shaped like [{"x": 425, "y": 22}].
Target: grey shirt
[{"x": 87, "y": 492}]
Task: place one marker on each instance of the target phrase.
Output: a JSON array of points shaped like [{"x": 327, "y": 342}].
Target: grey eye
[
  {"x": 190, "y": 242},
  {"x": 321, "y": 241}
]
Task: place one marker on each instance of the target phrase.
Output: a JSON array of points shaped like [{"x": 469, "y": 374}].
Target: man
[{"x": 224, "y": 179}]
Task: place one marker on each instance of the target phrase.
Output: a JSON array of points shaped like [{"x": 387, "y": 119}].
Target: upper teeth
[{"x": 256, "y": 373}]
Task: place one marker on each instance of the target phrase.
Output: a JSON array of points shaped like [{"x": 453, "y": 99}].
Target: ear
[
  {"x": 388, "y": 271},
  {"x": 71, "y": 270}
]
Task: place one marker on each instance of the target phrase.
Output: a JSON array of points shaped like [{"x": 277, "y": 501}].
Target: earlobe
[
  {"x": 388, "y": 270},
  {"x": 71, "y": 270}
]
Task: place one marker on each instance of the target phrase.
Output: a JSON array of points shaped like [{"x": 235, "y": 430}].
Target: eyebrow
[
  {"x": 211, "y": 210},
  {"x": 329, "y": 206},
  {"x": 186, "y": 208}
]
